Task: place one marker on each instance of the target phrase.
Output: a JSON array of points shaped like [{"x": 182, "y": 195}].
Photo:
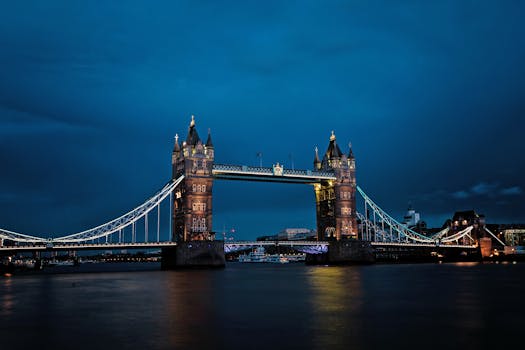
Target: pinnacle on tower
[
  {"x": 176, "y": 147},
  {"x": 317, "y": 161},
  {"x": 333, "y": 150},
  {"x": 193, "y": 136},
  {"x": 350, "y": 152},
  {"x": 336, "y": 151},
  {"x": 209, "y": 143},
  {"x": 316, "y": 158}
]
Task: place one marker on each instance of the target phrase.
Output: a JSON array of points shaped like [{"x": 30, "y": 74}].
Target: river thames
[{"x": 266, "y": 306}]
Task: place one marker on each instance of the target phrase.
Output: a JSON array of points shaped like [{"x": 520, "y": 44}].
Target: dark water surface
[{"x": 245, "y": 306}]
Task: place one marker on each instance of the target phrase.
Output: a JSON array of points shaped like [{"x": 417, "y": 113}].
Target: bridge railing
[
  {"x": 255, "y": 170},
  {"x": 312, "y": 173}
]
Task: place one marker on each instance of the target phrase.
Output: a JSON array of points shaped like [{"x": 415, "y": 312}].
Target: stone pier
[
  {"x": 194, "y": 254},
  {"x": 344, "y": 252}
]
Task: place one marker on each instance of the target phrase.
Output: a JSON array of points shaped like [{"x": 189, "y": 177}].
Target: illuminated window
[
  {"x": 199, "y": 188},
  {"x": 346, "y": 211},
  {"x": 199, "y": 225},
  {"x": 345, "y": 195},
  {"x": 197, "y": 206}
]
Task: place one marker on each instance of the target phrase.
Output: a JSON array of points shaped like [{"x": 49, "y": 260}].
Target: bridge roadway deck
[
  {"x": 374, "y": 244},
  {"x": 89, "y": 246},
  {"x": 247, "y": 244}
]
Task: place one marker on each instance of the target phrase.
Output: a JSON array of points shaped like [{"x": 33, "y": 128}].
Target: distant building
[
  {"x": 463, "y": 219},
  {"x": 296, "y": 234},
  {"x": 412, "y": 220},
  {"x": 291, "y": 234}
]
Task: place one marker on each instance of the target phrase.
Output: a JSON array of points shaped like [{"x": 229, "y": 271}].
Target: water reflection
[
  {"x": 266, "y": 307},
  {"x": 191, "y": 309},
  {"x": 336, "y": 298},
  {"x": 470, "y": 319},
  {"x": 7, "y": 297}
]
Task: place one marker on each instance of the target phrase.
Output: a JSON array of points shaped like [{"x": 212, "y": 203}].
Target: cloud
[
  {"x": 483, "y": 188},
  {"x": 17, "y": 120},
  {"x": 461, "y": 194},
  {"x": 511, "y": 191},
  {"x": 487, "y": 190}
]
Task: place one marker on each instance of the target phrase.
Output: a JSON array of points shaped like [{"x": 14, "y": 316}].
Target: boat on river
[{"x": 258, "y": 255}]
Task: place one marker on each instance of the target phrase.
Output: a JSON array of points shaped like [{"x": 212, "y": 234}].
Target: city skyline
[{"x": 430, "y": 96}]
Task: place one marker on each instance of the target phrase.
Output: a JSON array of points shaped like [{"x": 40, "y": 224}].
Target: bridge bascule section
[{"x": 189, "y": 195}]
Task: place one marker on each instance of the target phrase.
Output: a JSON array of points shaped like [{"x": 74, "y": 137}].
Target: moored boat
[{"x": 258, "y": 255}]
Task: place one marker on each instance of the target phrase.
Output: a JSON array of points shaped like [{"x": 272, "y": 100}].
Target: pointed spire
[
  {"x": 176, "y": 148},
  {"x": 209, "y": 143},
  {"x": 317, "y": 161},
  {"x": 333, "y": 150},
  {"x": 336, "y": 153},
  {"x": 193, "y": 136},
  {"x": 350, "y": 152}
]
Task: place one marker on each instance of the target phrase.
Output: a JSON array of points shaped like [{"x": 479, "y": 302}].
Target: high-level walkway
[{"x": 270, "y": 174}]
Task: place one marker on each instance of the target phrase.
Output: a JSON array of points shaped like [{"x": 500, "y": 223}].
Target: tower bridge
[
  {"x": 343, "y": 232},
  {"x": 333, "y": 178}
]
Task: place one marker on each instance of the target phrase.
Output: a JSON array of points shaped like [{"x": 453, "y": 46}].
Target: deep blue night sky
[{"x": 431, "y": 95}]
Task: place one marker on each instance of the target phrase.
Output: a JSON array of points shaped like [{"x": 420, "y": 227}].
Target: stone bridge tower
[
  {"x": 192, "y": 201},
  {"x": 335, "y": 200}
]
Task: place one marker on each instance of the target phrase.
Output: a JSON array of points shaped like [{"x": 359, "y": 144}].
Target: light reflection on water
[
  {"x": 7, "y": 298},
  {"x": 290, "y": 306},
  {"x": 336, "y": 297}
]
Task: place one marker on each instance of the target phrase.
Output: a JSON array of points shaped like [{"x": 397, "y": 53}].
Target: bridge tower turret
[
  {"x": 335, "y": 200},
  {"x": 192, "y": 204}
]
